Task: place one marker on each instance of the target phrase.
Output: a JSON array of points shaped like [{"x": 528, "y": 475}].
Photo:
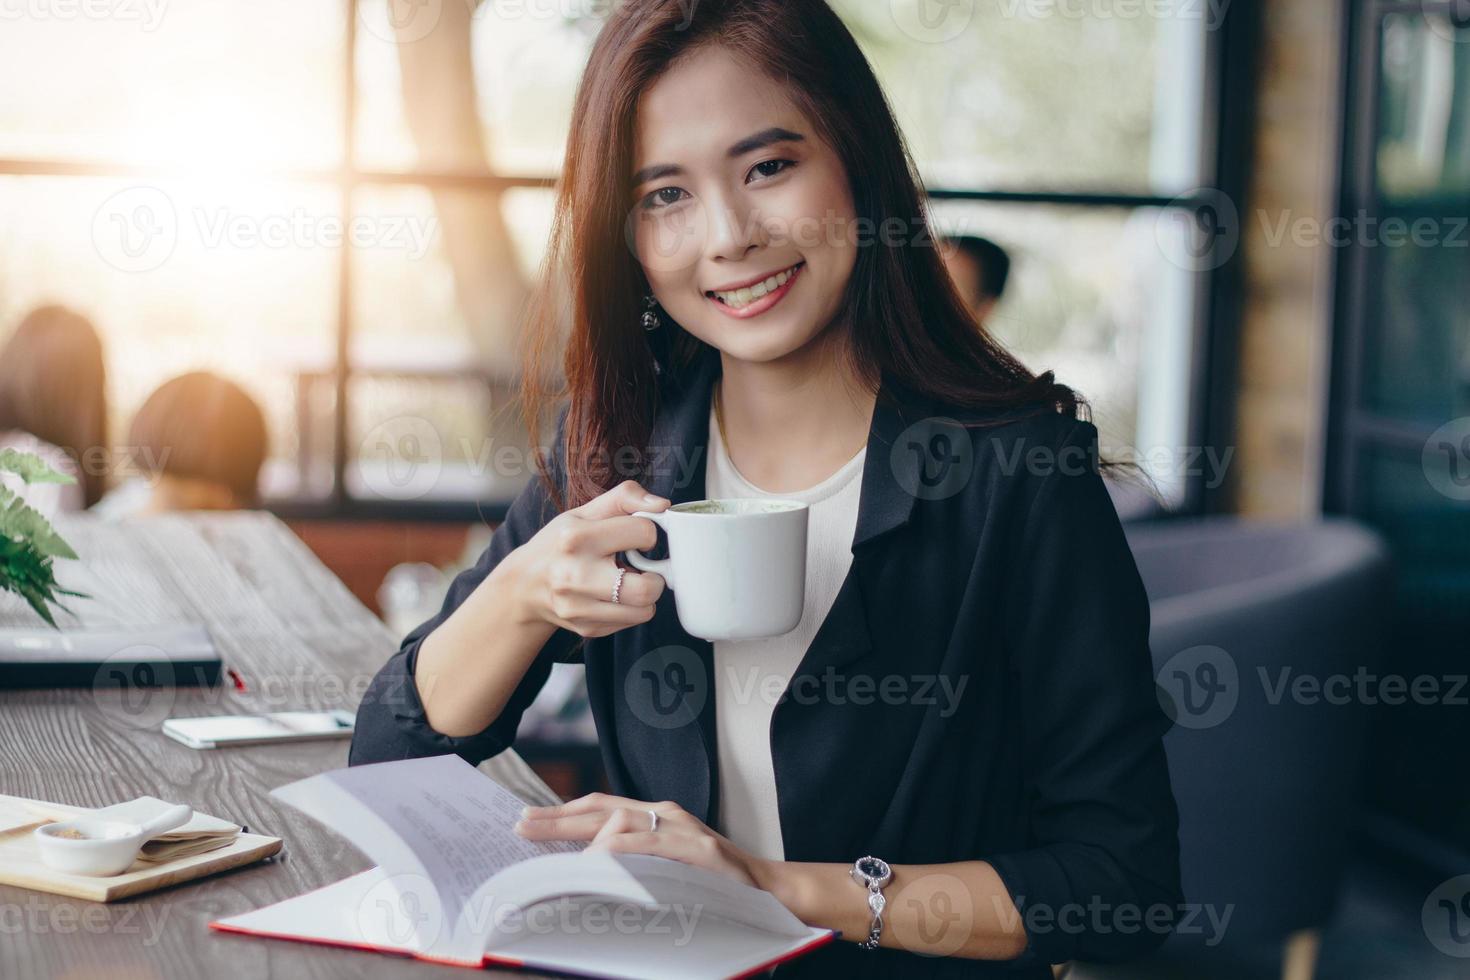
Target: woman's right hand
[{"x": 568, "y": 568}]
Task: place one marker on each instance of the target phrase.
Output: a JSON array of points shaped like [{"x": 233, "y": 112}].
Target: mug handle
[{"x": 660, "y": 566}]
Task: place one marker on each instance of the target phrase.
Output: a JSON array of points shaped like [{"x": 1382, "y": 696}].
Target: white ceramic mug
[{"x": 737, "y": 567}]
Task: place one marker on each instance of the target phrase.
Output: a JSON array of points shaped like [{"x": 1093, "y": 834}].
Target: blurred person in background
[
  {"x": 53, "y": 402},
  {"x": 199, "y": 442},
  {"x": 979, "y": 268}
]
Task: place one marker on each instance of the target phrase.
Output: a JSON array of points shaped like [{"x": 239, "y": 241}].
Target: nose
[{"x": 735, "y": 228}]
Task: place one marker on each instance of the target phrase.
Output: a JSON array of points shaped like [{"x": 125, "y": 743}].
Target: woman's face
[{"x": 742, "y": 217}]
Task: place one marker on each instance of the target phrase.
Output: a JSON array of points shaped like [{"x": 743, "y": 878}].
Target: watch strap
[{"x": 877, "y": 903}]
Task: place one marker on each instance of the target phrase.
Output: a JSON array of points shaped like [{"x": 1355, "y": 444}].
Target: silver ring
[
  {"x": 618, "y": 585},
  {"x": 653, "y": 818}
]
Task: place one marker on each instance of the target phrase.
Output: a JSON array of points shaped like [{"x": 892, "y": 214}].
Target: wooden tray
[{"x": 20, "y": 863}]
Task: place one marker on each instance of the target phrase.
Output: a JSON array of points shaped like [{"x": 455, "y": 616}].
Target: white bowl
[{"x": 107, "y": 847}]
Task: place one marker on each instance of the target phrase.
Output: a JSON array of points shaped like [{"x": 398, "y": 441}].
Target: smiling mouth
[{"x": 759, "y": 297}]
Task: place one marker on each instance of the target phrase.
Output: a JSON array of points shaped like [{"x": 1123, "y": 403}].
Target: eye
[
  {"x": 662, "y": 198},
  {"x": 770, "y": 168}
]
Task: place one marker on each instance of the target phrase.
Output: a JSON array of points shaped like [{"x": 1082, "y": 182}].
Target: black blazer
[{"x": 980, "y": 689}]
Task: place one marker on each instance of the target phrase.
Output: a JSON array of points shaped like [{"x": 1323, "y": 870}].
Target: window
[
  {"x": 1072, "y": 135},
  {"x": 340, "y": 204},
  {"x": 1399, "y": 422}
]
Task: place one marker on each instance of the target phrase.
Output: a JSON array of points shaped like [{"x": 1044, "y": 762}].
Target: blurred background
[{"x": 1239, "y": 228}]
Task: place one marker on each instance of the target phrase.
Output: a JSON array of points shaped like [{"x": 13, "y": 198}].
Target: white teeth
[{"x": 749, "y": 294}]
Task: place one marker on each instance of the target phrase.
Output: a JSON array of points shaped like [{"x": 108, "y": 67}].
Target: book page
[
  {"x": 438, "y": 827},
  {"x": 638, "y": 879},
  {"x": 674, "y": 883}
]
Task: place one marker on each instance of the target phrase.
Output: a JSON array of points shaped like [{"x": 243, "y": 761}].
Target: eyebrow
[{"x": 755, "y": 141}]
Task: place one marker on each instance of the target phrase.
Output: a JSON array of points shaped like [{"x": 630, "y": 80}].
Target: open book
[{"x": 454, "y": 883}]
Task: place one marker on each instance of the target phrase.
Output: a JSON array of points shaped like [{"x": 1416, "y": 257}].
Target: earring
[{"x": 651, "y": 319}]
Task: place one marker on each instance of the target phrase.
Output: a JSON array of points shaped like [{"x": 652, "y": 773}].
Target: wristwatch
[{"x": 873, "y": 873}]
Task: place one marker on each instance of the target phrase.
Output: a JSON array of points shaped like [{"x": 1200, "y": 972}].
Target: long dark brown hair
[
  {"x": 53, "y": 385},
  {"x": 905, "y": 317}
]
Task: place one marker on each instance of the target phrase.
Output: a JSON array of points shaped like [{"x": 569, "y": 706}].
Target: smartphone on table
[{"x": 218, "y": 731}]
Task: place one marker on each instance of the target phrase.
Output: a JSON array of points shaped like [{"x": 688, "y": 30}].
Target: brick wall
[{"x": 1286, "y": 321}]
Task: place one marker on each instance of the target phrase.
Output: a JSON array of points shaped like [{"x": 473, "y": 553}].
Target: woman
[
  {"x": 53, "y": 402},
  {"x": 969, "y": 695}
]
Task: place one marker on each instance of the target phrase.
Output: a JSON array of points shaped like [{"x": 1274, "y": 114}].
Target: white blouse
[{"x": 751, "y": 675}]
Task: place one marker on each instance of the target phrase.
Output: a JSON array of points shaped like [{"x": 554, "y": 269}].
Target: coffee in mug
[{"x": 737, "y": 567}]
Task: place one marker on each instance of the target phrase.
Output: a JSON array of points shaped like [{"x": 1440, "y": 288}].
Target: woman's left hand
[{"x": 616, "y": 823}]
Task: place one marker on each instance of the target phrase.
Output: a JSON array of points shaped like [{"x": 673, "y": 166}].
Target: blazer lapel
[
  {"x": 806, "y": 744},
  {"x": 884, "y": 504},
  {"x": 678, "y": 762}
]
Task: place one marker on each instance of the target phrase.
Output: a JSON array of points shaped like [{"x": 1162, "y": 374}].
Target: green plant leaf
[
  {"x": 34, "y": 596},
  {"x": 28, "y": 542},
  {"x": 20, "y": 521},
  {"x": 31, "y": 468}
]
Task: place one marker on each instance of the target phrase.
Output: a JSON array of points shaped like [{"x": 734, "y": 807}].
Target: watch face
[{"x": 874, "y": 868}]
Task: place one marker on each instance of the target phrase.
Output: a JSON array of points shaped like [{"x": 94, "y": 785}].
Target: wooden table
[{"x": 301, "y": 641}]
